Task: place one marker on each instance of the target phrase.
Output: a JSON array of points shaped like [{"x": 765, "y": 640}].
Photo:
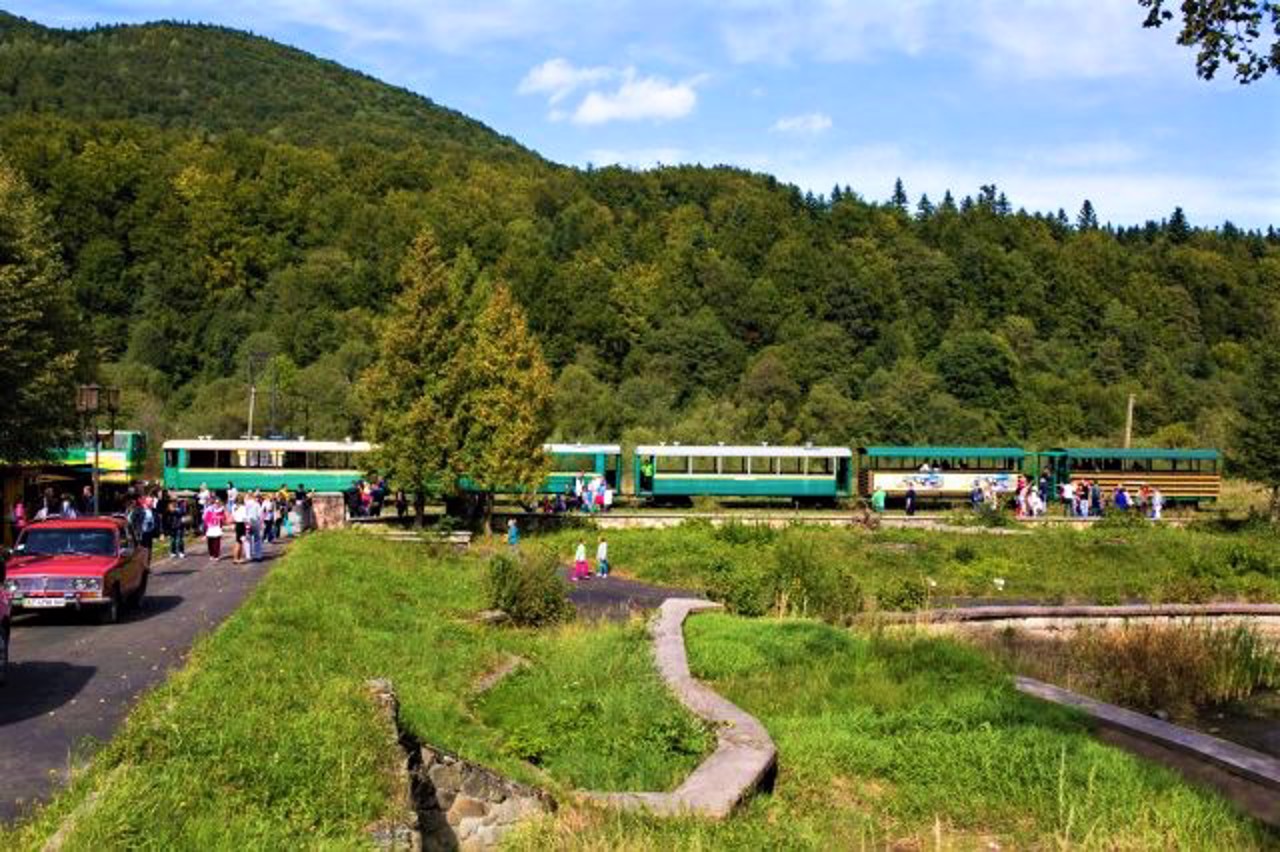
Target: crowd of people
[
  {"x": 1081, "y": 498},
  {"x": 588, "y": 494}
]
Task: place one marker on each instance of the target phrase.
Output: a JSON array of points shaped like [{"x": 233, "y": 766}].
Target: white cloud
[
  {"x": 809, "y": 122},
  {"x": 558, "y": 78},
  {"x": 638, "y": 98}
]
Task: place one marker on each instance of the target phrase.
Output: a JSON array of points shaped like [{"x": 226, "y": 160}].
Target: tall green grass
[{"x": 906, "y": 741}]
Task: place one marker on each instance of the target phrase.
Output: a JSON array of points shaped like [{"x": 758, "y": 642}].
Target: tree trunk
[
  {"x": 1275, "y": 505},
  {"x": 419, "y": 509},
  {"x": 488, "y": 515}
]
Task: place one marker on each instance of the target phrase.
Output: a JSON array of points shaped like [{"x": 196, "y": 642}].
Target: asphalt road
[{"x": 72, "y": 682}]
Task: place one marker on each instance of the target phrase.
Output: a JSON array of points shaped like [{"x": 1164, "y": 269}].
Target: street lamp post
[{"x": 90, "y": 399}]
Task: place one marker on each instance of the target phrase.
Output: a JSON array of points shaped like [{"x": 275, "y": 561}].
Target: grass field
[
  {"x": 909, "y": 742},
  {"x": 265, "y": 740},
  {"x": 1104, "y": 564}
]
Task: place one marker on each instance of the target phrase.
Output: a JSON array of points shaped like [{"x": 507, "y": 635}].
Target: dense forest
[{"x": 225, "y": 204}]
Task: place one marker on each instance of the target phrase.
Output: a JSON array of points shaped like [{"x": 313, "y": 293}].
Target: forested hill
[
  {"x": 216, "y": 196},
  {"x": 216, "y": 79}
]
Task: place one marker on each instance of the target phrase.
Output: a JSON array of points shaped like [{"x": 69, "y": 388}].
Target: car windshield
[{"x": 49, "y": 542}]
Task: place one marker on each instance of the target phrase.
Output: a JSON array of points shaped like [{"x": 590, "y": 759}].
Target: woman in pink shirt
[{"x": 213, "y": 520}]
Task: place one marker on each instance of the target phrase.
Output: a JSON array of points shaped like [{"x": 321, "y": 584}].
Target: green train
[
  {"x": 121, "y": 457},
  {"x": 331, "y": 466},
  {"x": 805, "y": 473}
]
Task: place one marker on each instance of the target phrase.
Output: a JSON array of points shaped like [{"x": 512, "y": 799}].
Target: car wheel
[
  {"x": 109, "y": 613},
  {"x": 4, "y": 650},
  {"x": 135, "y": 599}
]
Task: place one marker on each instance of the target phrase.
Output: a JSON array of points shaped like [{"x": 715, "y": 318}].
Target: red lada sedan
[{"x": 81, "y": 564}]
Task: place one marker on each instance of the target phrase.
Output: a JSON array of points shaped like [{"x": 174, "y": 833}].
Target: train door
[{"x": 844, "y": 477}]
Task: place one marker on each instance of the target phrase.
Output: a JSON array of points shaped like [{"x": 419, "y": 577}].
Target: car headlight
[
  {"x": 86, "y": 584},
  {"x": 11, "y": 586}
]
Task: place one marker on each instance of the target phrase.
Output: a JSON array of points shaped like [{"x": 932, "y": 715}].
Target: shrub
[
  {"x": 906, "y": 594},
  {"x": 801, "y": 582},
  {"x": 964, "y": 553},
  {"x": 1242, "y": 559},
  {"x": 528, "y": 589},
  {"x": 739, "y": 585},
  {"x": 736, "y": 532},
  {"x": 1118, "y": 520}
]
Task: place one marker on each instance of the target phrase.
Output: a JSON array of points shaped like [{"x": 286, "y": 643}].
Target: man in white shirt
[{"x": 602, "y": 558}]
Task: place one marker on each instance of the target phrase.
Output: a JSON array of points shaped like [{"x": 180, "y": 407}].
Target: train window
[
  {"x": 202, "y": 458},
  {"x": 332, "y": 461},
  {"x": 673, "y": 464},
  {"x": 761, "y": 465},
  {"x": 820, "y": 466},
  {"x": 703, "y": 464},
  {"x": 733, "y": 465},
  {"x": 790, "y": 465},
  {"x": 170, "y": 458}
]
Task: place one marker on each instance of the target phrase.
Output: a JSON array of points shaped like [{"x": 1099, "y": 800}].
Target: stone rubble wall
[{"x": 464, "y": 805}]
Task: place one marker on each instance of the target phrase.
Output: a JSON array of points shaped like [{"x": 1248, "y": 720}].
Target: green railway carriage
[
  {"x": 938, "y": 473},
  {"x": 322, "y": 466},
  {"x": 120, "y": 457},
  {"x": 1184, "y": 476},
  {"x": 568, "y": 461},
  {"x": 800, "y": 473}
]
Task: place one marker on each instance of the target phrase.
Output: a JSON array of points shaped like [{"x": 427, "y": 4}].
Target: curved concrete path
[{"x": 745, "y": 756}]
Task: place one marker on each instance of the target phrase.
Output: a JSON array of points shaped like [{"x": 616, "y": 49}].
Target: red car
[{"x": 81, "y": 564}]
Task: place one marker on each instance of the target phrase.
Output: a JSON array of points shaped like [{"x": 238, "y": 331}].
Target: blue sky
[{"x": 1053, "y": 100}]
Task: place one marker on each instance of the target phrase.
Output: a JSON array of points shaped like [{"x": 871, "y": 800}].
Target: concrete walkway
[{"x": 745, "y": 757}]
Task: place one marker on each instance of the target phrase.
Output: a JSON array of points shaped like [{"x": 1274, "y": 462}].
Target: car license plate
[{"x": 38, "y": 603}]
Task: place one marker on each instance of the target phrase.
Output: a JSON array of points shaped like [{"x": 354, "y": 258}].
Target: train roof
[
  {"x": 756, "y": 450},
  {"x": 606, "y": 449},
  {"x": 944, "y": 452},
  {"x": 1143, "y": 453},
  {"x": 287, "y": 446}
]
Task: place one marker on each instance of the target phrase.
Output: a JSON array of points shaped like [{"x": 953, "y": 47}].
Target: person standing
[
  {"x": 877, "y": 500},
  {"x": 268, "y": 518},
  {"x": 176, "y": 522},
  {"x": 203, "y": 499},
  {"x": 19, "y": 517},
  {"x": 513, "y": 533},
  {"x": 602, "y": 558},
  {"x": 253, "y": 526},
  {"x": 238, "y": 520},
  {"x": 402, "y": 504},
  {"x": 1157, "y": 504},
  {"x": 911, "y": 499},
  {"x": 581, "y": 569},
  {"x": 86, "y": 501},
  {"x": 212, "y": 520},
  {"x": 232, "y": 494}
]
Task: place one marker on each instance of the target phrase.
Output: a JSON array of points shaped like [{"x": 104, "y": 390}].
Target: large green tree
[
  {"x": 408, "y": 394},
  {"x": 38, "y": 341},
  {"x": 1243, "y": 33},
  {"x": 505, "y": 401},
  {"x": 1258, "y": 435}
]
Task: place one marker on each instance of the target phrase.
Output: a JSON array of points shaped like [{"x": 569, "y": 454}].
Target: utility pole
[
  {"x": 256, "y": 361},
  {"x": 1128, "y": 424}
]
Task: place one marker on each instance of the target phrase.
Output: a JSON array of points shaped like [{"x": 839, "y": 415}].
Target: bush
[
  {"x": 964, "y": 553},
  {"x": 792, "y": 580},
  {"x": 906, "y": 594},
  {"x": 1119, "y": 520},
  {"x": 741, "y": 587},
  {"x": 736, "y": 532},
  {"x": 528, "y": 589}
]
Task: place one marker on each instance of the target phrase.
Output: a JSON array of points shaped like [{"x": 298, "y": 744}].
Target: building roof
[
  {"x": 268, "y": 444},
  {"x": 754, "y": 450},
  {"x": 944, "y": 452}
]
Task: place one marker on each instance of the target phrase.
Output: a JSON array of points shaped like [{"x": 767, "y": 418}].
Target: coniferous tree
[
  {"x": 505, "y": 402},
  {"x": 948, "y": 203},
  {"x": 408, "y": 393},
  {"x": 1177, "y": 228},
  {"x": 38, "y": 349},
  {"x": 899, "y": 198},
  {"x": 924, "y": 207},
  {"x": 1088, "y": 218}
]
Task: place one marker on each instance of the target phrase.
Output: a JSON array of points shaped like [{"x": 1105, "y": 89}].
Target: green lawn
[
  {"x": 893, "y": 738},
  {"x": 266, "y": 739},
  {"x": 1106, "y": 565}
]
